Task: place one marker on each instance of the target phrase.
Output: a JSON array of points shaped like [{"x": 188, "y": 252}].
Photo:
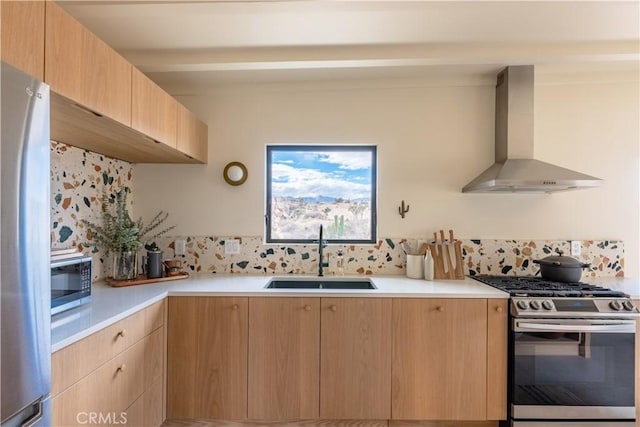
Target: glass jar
[{"x": 125, "y": 265}]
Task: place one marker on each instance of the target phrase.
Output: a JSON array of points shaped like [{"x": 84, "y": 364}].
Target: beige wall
[{"x": 432, "y": 139}]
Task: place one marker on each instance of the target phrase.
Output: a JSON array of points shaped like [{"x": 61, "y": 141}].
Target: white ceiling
[{"x": 196, "y": 43}]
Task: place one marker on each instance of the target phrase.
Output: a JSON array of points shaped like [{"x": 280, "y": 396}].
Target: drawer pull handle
[
  {"x": 307, "y": 307},
  {"x": 499, "y": 309},
  {"x": 235, "y": 307},
  {"x": 121, "y": 368},
  {"x": 333, "y": 308},
  {"x": 440, "y": 308},
  {"x": 121, "y": 333}
]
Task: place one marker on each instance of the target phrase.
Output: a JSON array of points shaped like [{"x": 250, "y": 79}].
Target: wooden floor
[{"x": 327, "y": 423}]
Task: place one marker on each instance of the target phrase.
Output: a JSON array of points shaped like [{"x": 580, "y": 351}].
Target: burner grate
[{"x": 538, "y": 287}]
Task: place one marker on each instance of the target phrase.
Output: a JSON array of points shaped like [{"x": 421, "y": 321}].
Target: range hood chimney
[{"x": 515, "y": 170}]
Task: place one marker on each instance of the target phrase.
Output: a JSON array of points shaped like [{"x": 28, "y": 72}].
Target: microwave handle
[{"x": 628, "y": 327}]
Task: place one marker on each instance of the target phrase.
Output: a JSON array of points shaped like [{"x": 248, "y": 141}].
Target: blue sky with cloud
[{"x": 338, "y": 174}]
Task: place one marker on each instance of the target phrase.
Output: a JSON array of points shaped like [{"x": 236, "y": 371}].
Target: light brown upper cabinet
[
  {"x": 355, "y": 361},
  {"x": 23, "y": 36},
  {"x": 207, "y": 358},
  {"x": 84, "y": 69},
  {"x": 153, "y": 112},
  {"x": 439, "y": 359},
  {"x": 193, "y": 139},
  {"x": 284, "y": 358}
]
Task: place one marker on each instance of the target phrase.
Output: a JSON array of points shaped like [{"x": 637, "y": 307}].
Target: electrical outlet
[
  {"x": 179, "y": 247},
  {"x": 231, "y": 246},
  {"x": 576, "y": 248}
]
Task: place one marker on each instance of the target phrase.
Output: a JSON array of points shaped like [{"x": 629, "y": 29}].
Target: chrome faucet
[{"x": 321, "y": 245}]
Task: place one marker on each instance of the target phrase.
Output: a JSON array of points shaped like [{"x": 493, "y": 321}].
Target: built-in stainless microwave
[{"x": 70, "y": 283}]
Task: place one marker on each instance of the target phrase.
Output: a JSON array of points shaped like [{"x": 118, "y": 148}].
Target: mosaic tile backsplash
[
  {"x": 486, "y": 256},
  {"x": 79, "y": 180}
]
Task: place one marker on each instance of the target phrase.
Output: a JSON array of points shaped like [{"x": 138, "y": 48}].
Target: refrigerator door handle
[{"x": 36, "y": 417}]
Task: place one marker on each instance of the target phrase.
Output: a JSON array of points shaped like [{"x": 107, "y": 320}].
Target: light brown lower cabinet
[
  {"x": 439, "y": 359},
  {"x": 319, "y": 360},
  {"x": 355, "y": 360},
  {"x": 313, "y": 358},
  {"x": 497, "y": 353},
  {"x": 207, "y": 357},
  {"x": 284, "y": 358},
  {"x": 103, "y": 395}
]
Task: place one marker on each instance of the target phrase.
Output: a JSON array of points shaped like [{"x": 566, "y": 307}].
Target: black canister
[{"x": 154, "y": 264}]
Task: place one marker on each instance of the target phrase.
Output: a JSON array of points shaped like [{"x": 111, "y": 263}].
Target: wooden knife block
[{"x": 447, "y": 260}]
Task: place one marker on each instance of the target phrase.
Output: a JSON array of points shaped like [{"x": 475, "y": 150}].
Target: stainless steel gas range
[{"x": 571, "y": 354}]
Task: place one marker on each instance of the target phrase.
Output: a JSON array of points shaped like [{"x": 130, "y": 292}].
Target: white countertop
[
  {"x": 110, "y": 305},
  {"x": 629, "y": 286}
]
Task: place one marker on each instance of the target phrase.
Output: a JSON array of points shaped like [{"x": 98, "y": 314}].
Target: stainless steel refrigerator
[{"x": 25, "y": 316}]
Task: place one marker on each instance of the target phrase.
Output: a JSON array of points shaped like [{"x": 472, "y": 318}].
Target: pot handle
[
  {"x": 543, "y": 262},
  {"x": 585, "y": 265}
]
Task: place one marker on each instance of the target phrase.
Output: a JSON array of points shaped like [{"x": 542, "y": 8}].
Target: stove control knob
[
  {"x": 535, "y": 305},
  {"x": 628, "y": 305},
  {"x": 547, "y": 305},
  {"x": 615, "y": 305},
  {"x": 522, "y": 305}
]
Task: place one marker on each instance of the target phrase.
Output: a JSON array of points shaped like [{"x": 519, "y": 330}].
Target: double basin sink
[{"x": 320, "y": 283}]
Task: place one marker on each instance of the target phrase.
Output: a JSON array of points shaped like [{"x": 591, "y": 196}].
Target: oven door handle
[{"x": 624, "y": 327}]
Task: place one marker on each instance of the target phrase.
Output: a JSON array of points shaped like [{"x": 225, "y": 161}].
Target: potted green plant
[{"x": 122, "y": 237}]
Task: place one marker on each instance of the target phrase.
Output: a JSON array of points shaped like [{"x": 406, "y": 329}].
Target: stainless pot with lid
[{"x": 560, "y": 268}]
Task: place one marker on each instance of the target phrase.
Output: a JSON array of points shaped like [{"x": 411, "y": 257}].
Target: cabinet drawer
[
  {"x": 77, "y": 360},
  {"x": 147, "y": 410},
  {"x": 88, "y": 401},
  {"x": 74, "y": 362},
  {"x": 153, "y": 357},
  {"x": 128, "y": 377},
  {"x": 153, "y": 317}
]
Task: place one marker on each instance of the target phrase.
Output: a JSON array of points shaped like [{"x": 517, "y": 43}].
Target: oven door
[{"x": 572, "y": 369}]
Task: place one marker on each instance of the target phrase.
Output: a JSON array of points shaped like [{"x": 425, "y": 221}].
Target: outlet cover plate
[
  {"x": 576, "y": 247},
  {"x": 179, "y": 247},
  {"x": 231, "y": 246}
]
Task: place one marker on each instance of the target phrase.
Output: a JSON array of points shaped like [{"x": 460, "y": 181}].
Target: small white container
[
  {"x": 415, "y": 266},
  {"x": 428, "y": 266}
]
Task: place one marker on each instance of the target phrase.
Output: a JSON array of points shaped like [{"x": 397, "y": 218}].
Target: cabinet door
[
  {"x": 355, "y": 361},
  {"x": 23, "y": 36},
  {"x": 439, "y": 359},
  {"x": 207, "y": 357},
  {"x": 497, "y": 337},
  {"x": 81, "y": 67},
  {"x": 154, "y": 112},
  {"x": 284, "y": 358},
  {"x": 193, "y": 139}
]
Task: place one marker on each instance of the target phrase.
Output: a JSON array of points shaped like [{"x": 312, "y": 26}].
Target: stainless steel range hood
[{"x": 515, "y": 170}]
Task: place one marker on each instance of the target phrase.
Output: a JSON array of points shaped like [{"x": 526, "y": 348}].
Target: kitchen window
[{"x": 329, "y": 185}]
